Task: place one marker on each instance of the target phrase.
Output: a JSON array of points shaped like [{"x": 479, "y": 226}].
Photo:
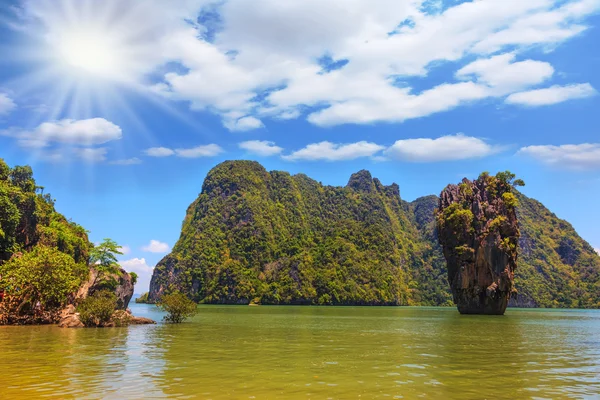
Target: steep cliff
[
  {"x": 269, "y": 237},
  {"x": 478, "y": 230}
]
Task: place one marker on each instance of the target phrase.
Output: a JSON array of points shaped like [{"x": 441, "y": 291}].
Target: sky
[{"x": 122, "y": 107}]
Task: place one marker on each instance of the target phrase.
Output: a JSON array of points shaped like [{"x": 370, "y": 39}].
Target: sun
[{"x": 91, "y": 52}]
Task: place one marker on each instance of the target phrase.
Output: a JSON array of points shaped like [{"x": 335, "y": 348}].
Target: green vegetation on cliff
[
  {"x": 255, "y": 236},
  {"x": 45, "y": 259},
  {"x": 557, "y": 268},
  {"x": 272, "y": 238},
  {"x": 43, "y": 256}
]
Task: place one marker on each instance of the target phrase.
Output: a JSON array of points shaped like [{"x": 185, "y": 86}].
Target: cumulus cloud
[
  {"x": 502, "y": 73},
  {"x": 156, "y": 246},
  {"x": 127, "y": 161},
  {"x": 262, "y": 62},
  {"x": 552, "y": 95},
  {"x": 261, "y": 147},
  {"x": 142, "y": 269},
  {"x": 243, "y": 124},
  {"x": 159, "y": 152},
  {"x": 6, "y": 104},
  {"x": 209, "y": 150},
  {"x": 584, "y": 156},
  {"x": 445, "y": 148},
  {"x": 83, "y": 132},
  {"x": 328, "y": 151}
]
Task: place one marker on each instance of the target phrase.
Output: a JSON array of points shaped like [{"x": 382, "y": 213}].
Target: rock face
[
  {"x": 119, "y": 283},
  {"x": 272, "y": 238},
  {"x": 479, "y": 234}
]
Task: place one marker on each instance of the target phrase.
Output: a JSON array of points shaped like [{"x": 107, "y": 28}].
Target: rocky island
[
  {"x": 479, "y": 233},
  {"x": 254, "y": 236}
]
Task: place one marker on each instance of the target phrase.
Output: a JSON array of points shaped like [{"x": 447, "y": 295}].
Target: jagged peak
[{"x": 361, "y": 181}]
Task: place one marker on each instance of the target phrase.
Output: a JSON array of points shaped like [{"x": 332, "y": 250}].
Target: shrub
[
  {"x": 43, "y": 275},
  {"x": 178, "y": 307},
  {"x": 97, "y": 309},
  {"x": 134, "y": 278}
]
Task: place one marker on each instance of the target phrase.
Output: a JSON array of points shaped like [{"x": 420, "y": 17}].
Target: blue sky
[{"x": 123, "y": 106}]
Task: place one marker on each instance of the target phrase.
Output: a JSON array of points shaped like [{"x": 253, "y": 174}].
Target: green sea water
[{"x": 269, "y": 352}]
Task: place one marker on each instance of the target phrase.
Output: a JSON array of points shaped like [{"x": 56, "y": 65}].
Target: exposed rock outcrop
[
  {"x": 120, "y": 283},
  {"x": 69, "y": 318},
  {"x": 479, "y": 234}
]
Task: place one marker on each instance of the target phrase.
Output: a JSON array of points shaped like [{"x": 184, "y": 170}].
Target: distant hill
[{"x": 273, "y": 238}]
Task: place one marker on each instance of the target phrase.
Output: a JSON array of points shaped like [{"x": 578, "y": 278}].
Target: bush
[
  {"x": 43, "y": 275},
  {"x": 178, "y": 307},
  {"x": 97, "y": 309}
]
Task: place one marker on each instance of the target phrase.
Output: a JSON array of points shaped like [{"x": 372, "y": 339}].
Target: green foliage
[
  {"x": 97, "y": 309},
  {"x": 43, "y": 257},
  {"x": 557, "y": 268},
  {"x": 22, "y": 177},
  {"x": 104, "y": 256},
  {"x": 143, "y": 299},
  {"x": 134, "y": 278},
  {"x": 43, "y": 275},
  {"x": 286, "y": 239},
  {"x": 178, "y": 307}
]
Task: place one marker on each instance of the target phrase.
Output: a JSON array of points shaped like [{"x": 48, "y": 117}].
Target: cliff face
[
  {"x": 269, "y": 237},
  {"x": 273, "y": 238},
  {"x": 478, "y": 231}
]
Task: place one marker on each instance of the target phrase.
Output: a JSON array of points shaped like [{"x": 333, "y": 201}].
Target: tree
[
  {"x": 43, "y": 275},
  {"x": 178, "y": 307},
  {"x": 22, "y": 177},
  {"x": 104, "y": 256}
]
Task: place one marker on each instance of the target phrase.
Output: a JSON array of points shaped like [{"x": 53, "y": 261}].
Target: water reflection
[{"x": 312, "y": 352}]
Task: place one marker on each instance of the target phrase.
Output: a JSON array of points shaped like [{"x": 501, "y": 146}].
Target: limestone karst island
[{"x": 299, "y": 199}]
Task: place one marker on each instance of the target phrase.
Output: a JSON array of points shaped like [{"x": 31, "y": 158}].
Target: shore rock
[
  {"x": 119, "y": 283},
  {"x": 479, "y": 234}
]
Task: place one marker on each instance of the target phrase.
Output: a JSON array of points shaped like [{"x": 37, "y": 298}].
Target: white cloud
[
  {"x": 209, "y": 150},
  {"x": 573, "y": 156},
  {"x": 159, "y": 152},
  {"x": 552, "y": 95},
  {"x": 84, "y": 132},
  {"x": 262, "y": 61},
  {"x": 597, "y": 251},
  {"x": 127, "y": 161},
  {"x": 156, "y": 246},
  {"x": 6, "y": 104},
  {"x": 243, "y": 124},
  {"x": 261, "y": 147},
  {"x": 335, "y": 152},
  {"x": 502, "y": 73},
  {"x": 445, "y": 148},
  {"x": 142, "y": 269}
]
